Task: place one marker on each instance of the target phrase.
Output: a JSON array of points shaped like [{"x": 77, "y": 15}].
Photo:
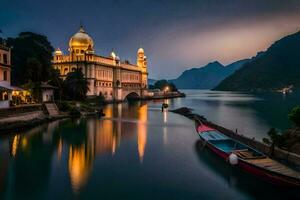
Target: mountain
[
  {"x": 276, "y": 68},
  {"x": 206, "y": 77},
  {"x": 151, "y": 81}
]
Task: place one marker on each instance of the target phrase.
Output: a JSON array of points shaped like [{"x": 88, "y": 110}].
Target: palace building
[
  {"x": 5, "y": 66},
  {"x": 109, "y": 76},
  {"x": 9, "y": 95}
]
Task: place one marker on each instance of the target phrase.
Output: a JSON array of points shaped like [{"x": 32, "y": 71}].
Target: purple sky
[{"x": 176, "y": 34}]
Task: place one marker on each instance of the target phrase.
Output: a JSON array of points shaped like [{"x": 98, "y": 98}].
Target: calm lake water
[{"x": 138, "y": 152}]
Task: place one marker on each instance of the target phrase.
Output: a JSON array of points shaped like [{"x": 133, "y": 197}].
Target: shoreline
[
  {"x": 287, "y": 157},
  {"x": 21, "y": 125},
  {"x": 30, "y": 118}
]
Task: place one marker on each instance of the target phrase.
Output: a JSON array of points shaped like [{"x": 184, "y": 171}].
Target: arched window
[
  {"x": 5, "y": 59},
  {"x": 5, "y": 75}
]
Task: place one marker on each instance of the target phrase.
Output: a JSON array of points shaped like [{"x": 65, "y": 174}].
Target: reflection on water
[
  {"x": 80, "y": 165},
  {"x": 142, "y": 130},
  {"x": 238, "y": 179},
  {"x": 14, "y": 145},
  {"x": 136, "y": 152},
  {"x": 81, "y": 143}
]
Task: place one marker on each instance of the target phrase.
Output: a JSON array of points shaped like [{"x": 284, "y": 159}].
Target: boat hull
[{"x": 259, "y": 172}]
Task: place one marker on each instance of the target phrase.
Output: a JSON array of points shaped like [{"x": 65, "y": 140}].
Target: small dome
[
  {"x": 145, "y": 57},
  {"x": 141, "y": 50},
  {"x": 117, "y": 58},
  {"x": 113, "y": 55},
  {"x": 58, "y": 52},
  {"x": 81, "y": 40}
]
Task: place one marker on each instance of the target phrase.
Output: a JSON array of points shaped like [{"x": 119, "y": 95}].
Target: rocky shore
[{"x": 292, "y": 139}]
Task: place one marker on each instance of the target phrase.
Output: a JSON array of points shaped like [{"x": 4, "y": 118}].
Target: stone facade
[
  {"x": 5, "y": 63},
  {"x": 107, "y": 76},
  {"x": 5, "y": 67}
]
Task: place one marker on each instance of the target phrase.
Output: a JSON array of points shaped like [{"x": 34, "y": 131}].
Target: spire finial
[{"x": 81, "y": 27}]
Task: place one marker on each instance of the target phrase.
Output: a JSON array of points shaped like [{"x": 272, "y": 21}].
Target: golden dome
[
  {"x": 141, "y": 50},
  {"x": 81, "y": 40}
]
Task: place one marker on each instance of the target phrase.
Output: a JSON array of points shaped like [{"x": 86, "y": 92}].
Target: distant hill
[
  {"x": 151, "y": 81},
  {"x": 276, "y": 68},
  {"x": 206, "y": 77}
]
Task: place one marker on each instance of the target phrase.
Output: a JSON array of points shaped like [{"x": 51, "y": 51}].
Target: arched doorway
[{"x": 132, "y": 96}]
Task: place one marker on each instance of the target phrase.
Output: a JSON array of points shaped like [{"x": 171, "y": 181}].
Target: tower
[
  {"x": 58, "y": 55},
  {"x": 142, "y": 64},
  {"x": 141, "y": 60}
]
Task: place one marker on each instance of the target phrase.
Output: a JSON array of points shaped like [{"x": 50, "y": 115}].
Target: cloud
[{"x": 176, "y": 34}]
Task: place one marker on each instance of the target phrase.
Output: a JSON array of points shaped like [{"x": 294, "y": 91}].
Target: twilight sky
[{"x": 176, "y": 34}]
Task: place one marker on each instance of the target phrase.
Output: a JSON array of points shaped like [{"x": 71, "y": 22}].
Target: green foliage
[
  {"x": 57, "y": 82},
  {"x": 64, "y": 106},
  {"x": 69, "y": 107},
  {"x": 267, "y": 141},
  {"x": 162, "y": 84},
  {"x": 75, "y": 86},
  {"x": 74, "y": 112},
  {"x": 294, "y": 115},
  {"x": 276, "y": 139},
  {"x": 276, "y": 68},
  {"x": 31, "y": 58},
  {"x": 33, "y": 88},
  {"x": 151, "y": 87}
]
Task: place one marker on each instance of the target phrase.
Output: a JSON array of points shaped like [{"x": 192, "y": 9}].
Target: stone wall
[{"x": 13, "y": 111}]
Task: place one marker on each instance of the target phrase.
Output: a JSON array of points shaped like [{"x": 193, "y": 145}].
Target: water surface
[{"x": 139, "y": 152}]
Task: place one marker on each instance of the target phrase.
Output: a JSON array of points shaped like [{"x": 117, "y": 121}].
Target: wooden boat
[{"x": 247, "y": 158}]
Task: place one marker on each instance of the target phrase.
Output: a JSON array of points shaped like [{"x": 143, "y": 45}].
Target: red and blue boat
[{"x": 248, "y": 159}]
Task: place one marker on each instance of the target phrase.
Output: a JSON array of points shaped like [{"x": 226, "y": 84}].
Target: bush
[
  {"x": 97, "y": 101},
  {"x": 74, "y": 112},
  {"x": 64, "y": 106},
  {"x": 294, "y": 115}
]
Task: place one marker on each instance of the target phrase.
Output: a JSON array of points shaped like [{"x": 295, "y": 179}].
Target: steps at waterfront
[{"x": 52, "y": 109}]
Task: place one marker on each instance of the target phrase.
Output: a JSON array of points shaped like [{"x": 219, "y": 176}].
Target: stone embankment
[
  {"x": 279, "y": 154},
  {"x": 24, "y": 117}
]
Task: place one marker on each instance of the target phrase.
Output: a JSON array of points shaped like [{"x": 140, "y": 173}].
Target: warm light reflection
[
  {"x": 142, "y": 130},
  {"x": 165, "y": 113},
  {"x": 80, "y": 163},
  {"x": 108, "y": 111},
  {"x": 24, "y": 142},
  {"x": 59, "y": 149},
  {"x": 105, "y": 139},
  {"x": 14, "y": 146}
]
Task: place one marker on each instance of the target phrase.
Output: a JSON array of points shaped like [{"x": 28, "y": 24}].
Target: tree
[
  {"x": 75, "y": 85},
  {"x": 56, "y": 81},
  {"x": 294, "y": 115},
  {"x": 276, "y": 140},
  {"x": 173, "y": 87},
  {"x": 162, "y": 84},
  {"x": 31, "y": 58}
]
